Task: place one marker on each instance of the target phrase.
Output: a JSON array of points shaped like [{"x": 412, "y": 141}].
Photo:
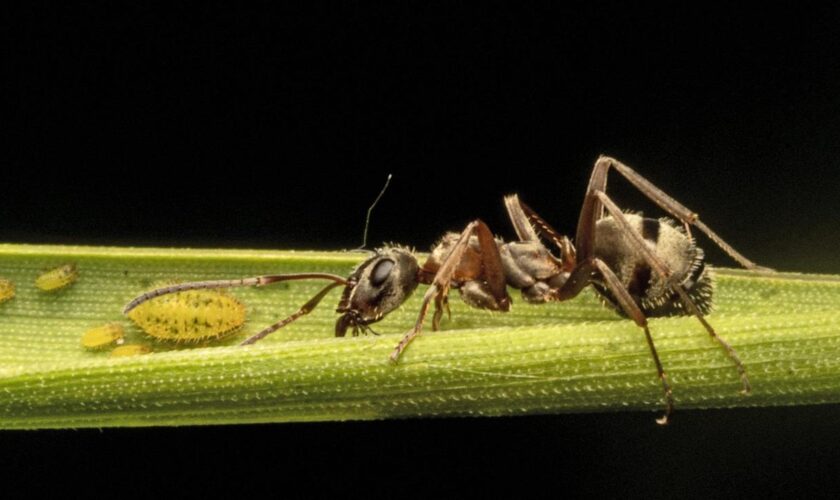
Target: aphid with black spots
[
  {"x": 641, "y": 267},
  {"x": 189, "y": 316}
]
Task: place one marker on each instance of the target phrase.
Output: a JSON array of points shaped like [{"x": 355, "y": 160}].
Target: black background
[{"x": 272, "y": 126}]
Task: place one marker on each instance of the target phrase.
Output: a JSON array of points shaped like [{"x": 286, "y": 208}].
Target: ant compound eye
[{"x": 381, "y": 272}]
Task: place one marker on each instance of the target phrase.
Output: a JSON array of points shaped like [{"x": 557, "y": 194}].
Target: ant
[{"x": 640, "y": 267}]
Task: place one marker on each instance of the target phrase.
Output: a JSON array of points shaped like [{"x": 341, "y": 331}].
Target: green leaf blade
[{"x": 569, "y": 357}]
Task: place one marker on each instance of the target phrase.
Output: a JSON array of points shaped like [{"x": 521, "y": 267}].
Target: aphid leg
[
  {"x": 581, "y": 276},
  {"x": 439, "y": 288},
  {"x": 664, "y": 272},
  {"x": 305, "y": 309},
  {"x": 594, "y": 211},
  {"x": 255, "y": 281}
]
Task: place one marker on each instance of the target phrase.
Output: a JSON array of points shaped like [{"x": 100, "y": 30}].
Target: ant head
[{"x": 377, "y": 286}]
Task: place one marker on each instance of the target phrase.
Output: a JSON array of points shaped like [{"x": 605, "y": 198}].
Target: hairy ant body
[{"x": 641, "y": 267}]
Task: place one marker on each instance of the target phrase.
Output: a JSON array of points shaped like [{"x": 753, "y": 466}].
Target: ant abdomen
[{"x": 654, "y": 295}]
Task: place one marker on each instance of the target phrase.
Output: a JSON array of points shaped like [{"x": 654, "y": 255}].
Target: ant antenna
[{"x": 370, "y": 209}]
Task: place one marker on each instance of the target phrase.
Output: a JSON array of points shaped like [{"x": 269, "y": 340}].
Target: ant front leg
[
  {"x": 441, "y": 304},
  {"x": 493, "y": 290}
]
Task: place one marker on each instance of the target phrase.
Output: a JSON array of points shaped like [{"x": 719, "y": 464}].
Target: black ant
[{"x": 641, "y": 267}]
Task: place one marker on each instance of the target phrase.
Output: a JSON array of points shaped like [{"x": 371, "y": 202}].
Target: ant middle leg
[{"x": 529, "y": 226}]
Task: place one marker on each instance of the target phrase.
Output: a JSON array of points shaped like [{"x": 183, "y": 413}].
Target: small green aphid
[
  {"x": 130, "y": 350},
  {"x": 190, "y": 316},
  {"x": 7, "y": 290},
  {"x": 103, "y": 336},
  {"x": 58, "y": 278}
]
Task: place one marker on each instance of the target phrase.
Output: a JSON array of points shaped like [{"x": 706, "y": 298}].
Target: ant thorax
[
  {"x": 531, "y": 268},
  {"x": 468, "y": 268},
  {"x": 527, "y": 265}
]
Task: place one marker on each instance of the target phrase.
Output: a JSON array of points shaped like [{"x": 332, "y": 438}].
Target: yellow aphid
[
  {"x": 103, "y": 336},
  {"x": 7, "y": 290},
  {"x": 130, "y": 350},
  {"x": 190, "y": 316},
  {"x": 57, "y": 278}
]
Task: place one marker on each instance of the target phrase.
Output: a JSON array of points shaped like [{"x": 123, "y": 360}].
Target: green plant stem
[{"x": 569, "y": 357}]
